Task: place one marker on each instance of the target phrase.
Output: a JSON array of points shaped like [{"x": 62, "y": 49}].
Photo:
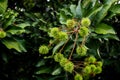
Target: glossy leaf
[
  {"x": 104, "y": 29},
  {"x": 14, "y": 44},
  {"x": 57, "y": 71},
  {"x": 3, "y": 6},
  {"x": 115, "y": 9},
  {"x": 79, "y": 11}
]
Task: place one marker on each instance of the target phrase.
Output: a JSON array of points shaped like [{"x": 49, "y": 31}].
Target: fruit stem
[
  {"x": 64, "y": 46},
  {"x": 73, "y": 46}
]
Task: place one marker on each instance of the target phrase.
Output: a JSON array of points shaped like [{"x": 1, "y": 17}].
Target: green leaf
[
  {"x": 3, "y": 6},
  {"x": 62, "y": 18},
  {"x": 11, "y": 43},
  {"x": 23, "y": 25},
  {"x": 103, "y": 12},
  {"x": 115, "y": 9},
  {"x": 57, "y": 71},
  {"x": 94, "y": 11},
  {"x": 40, "y": 63},
  {"x": 73, "y": 9},
  {"x": 55, "y": 49},
  {"x": 43, "y": 70},
  {"x": 15, "y": 30},
  {"x": 79, "y": 12},
  {"x": 104, "y": 29},
  {"x": 108, "y": 36}
]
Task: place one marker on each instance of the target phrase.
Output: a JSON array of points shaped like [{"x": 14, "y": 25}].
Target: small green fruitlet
[
  {"x": 70, "y": 23},
  {"x": 63, "y": 61},
  {"x": 85, "y": 22},
  {"x": 93, "y": 67},
  {"x": 91, "y": 59},
  {"x": 81, "y": 50},
  {"x": 84, "y": 31},
  {"x": 63, "y": 36},
  {"x": 78, "y": 77},
  {"x": 58, "y": 57},
  {"x": 43, "y": 49},
  {"x": 54, "y": 32},
  {"x": 99, "y": 63},
  {"x": 87, "y": 69},
  {"x": 69, "y": 67},
  {"x": 98, "y": 70},
  {"x": 2, "y": 34}
]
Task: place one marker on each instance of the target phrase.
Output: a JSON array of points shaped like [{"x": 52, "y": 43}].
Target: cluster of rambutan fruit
[{"x": 90, "y": 66}]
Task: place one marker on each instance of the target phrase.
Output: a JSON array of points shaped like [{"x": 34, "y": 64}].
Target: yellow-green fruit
[
  {"x": 84, "y": 31},
  {"x": 43, "y": 49},
  {"x": 98, "y": 70},
  {"x": 2, "y": 34},
  {"x": 85, "y": 22},
  {"x": 63, "y": 61},
  {"x": 99, "y": 63},
  {"x": 58, "y": 57},
  {"x": 81, "y": 50},
  {"x": 93, "y": 67},
  {"x": 70, "y": 23},
  {"x": 63, "y": 36},
  {"x": 78, "y": 77},
  {"x": 87, "y": 69},
  {"x": 54, "y": 32},
  {"x": 91, "y": 59},
  {"x": 69, "y": 67}
]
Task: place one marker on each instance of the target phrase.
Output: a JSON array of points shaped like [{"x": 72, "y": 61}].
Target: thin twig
[
  {"x": 64, "y": 45},
  {"x": 83, "y": 41},
  {"x": 73, "y": 46}
]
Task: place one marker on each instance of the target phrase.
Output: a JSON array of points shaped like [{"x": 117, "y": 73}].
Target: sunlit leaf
[
  {"x": 3, "y": 6},
  {"x": 104, "y": 29},
  {"x": 14, "y": 44}
]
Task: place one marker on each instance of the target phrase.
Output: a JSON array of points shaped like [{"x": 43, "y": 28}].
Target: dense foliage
[{"x": 59, "y": 40}]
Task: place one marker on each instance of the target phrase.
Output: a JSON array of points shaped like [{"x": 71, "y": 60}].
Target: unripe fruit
[
  {"x": 2, "y": 34},
  {"x": 99, "y": 63},
  {"x": 63, "y": 61},
  {"x": 70, "y": 23},
  {"x": 58, "y": 57},
  {"x": 78, "y": 77},
  {"x": 98, "y": 70},
  {"x": 91, "y": 59},
  {"x": 43, "y": 49},
  {"x": 85, "y": 22},
  {"x": 81, "y": 50},
  {"x": 93, "y": 67},
  {"x": 63, "y": 36},
  {"x": 87, "y": 70},
  {"x": 84, "y": 31},
  {"x": 54, "y": 32},
  {"x": 69, "y": 66}
]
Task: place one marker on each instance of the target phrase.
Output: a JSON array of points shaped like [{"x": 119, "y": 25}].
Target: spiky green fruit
[
  {"x": 78, "y": 77},
  {"x": 69, "y": 67},
  {"x": 70, "y": 23},
  {"x": 58, "y": 57},
  {"x": 54, "y": 32},
  {"x": 99, "y": 63},
  {"x": 63, "y": 61},
  {"x": 85, "y": 22},
  {"x": 84, "y": 31},
  {"x": 63, "y": 36},
  {"x": 43, "y": 49},
  {"x": 2, "y": 34},
  {"x": 87, "y": 69},
  {"x": 81, "y": 50},
  {"x": 98, "y": 70},
  {"x": 91, "y": 59},
  {"x": 93, "y": 67}
]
